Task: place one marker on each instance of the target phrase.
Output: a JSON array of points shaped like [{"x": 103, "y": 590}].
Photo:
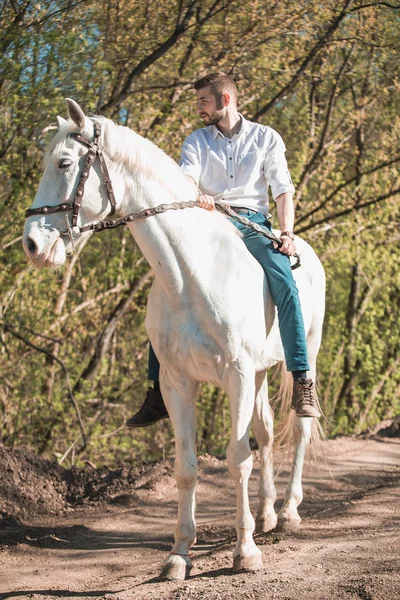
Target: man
[{"x": 234, "y": 161}]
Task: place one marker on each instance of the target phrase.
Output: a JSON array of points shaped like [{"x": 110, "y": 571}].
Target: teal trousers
[{"x": 283, "y": 290}]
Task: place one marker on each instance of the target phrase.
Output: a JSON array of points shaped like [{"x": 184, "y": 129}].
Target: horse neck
[
  {"x": 177, "y": 244},
  {"x": 148, "y": 176}
]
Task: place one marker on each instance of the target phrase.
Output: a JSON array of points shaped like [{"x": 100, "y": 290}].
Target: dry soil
[{"x": 95, "y": 533}]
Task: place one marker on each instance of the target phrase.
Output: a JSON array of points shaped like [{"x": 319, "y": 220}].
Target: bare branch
[
  {"x": 108, "y": 331},
  {"x": 118, "y": 288},
  {"x": 307, "y": 60},
  {"x": 375, "y": 5},
  {"x": 345, "y": 184},
  {"x": 18, "y": 239},
  {"x": 11, "y": 329},
  {"x": 68, "y": 8},
  {"x": 118, "y": 96},
  {"x": 35, "y": 333},
  {"x": 322, "y": 146},
  {"x": 347, "y": 211},
  {"x": 7, "y": 39}
]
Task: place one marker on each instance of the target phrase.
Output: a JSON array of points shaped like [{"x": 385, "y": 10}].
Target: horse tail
[{"x": 281, "y": 406}]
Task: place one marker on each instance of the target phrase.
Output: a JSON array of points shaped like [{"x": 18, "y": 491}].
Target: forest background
[{"x": 324, "y": 74}]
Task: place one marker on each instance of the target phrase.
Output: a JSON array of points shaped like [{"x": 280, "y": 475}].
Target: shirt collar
[{"x": 243, "y": 127}]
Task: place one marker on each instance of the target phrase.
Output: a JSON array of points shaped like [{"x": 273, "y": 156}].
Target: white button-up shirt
[{"x": 238, "y": 171}]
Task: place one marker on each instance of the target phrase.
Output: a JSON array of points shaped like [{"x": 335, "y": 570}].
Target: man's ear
[{"x": 226, "y": 99}]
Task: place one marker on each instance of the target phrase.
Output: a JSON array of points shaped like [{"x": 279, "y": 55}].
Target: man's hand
[
  {"x": 288, "y": 246},
  {"x": 206, "y": 202}
]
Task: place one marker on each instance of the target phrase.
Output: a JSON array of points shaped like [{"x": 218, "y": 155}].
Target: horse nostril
[{"x": 31, "y": 245}]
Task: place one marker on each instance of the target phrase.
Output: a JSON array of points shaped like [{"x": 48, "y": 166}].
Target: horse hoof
[
  {"x": 288, "y": 525},
  {"x": 247, "y": 563},
  {"x": 265, "y": 525},
  {"x": 175, "y": 571}
]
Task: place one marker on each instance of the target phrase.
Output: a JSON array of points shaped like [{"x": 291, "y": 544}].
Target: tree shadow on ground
[
  {"x": 57, "y": 593},
  {"x": 80, "y": 537}
]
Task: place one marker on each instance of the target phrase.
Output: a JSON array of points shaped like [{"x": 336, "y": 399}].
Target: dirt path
[{"x": 348, "y": 547}]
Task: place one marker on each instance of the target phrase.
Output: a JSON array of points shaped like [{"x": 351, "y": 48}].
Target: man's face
[{"x": 210, "y": 108}]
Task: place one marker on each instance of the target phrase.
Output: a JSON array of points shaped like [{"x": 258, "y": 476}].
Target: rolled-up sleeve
[
  {"x": 275, "y": 166},
  {"x": 189, "y": 160}
]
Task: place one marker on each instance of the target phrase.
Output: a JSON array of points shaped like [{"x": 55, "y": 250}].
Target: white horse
[{"x": 209, "y": 317}]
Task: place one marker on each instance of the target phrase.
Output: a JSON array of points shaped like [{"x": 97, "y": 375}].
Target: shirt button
[
  {"x": 230, "y": 158},
  {"x": 231, "y": 176}
]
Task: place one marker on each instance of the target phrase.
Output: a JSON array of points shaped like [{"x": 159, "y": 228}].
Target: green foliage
[{"x": 325, "y": 76}]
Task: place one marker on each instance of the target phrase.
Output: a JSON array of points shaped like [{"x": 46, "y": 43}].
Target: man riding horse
[{"x": 234, "y": 161}]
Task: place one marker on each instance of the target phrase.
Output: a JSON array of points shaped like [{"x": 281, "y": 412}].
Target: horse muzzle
[{"x": 43, "y": 248}]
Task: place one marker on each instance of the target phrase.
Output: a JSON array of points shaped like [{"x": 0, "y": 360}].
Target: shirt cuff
[{"x": 282, "y": 189}]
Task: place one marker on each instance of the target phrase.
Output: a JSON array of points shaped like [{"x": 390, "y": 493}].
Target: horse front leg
[
  {"x": 241, "y": 391},
  {"x": 180, "y": 400},
  {"x": 263, "y": 425}
]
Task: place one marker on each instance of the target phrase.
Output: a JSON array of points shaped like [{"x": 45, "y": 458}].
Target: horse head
[{"x": 71, "y": 171}]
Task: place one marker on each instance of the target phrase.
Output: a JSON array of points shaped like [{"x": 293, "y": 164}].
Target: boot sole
[
  {"x": 317, "y": 415},
  {"x": 147, "y": 424}
]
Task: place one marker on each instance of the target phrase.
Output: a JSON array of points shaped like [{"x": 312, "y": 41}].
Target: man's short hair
[{"x": 219, "y": 84}]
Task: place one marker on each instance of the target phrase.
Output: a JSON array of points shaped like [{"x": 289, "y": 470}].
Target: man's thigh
[{"x": 274, "y": 263}]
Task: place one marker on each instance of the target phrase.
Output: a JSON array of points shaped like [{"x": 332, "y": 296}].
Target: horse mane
[{"x": 140, "y": 155}]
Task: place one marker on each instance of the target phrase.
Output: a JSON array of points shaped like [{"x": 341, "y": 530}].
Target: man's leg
[
  {"x": 153, "y": 367},
  {"x": 153, "y": 409},
  {"x": 291, "y": 325}
]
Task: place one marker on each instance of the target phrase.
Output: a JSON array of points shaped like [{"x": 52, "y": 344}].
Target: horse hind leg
[
  {"x": 241, "y": 392},
  {"x": 288, "y": 516},
  {"x": 263, "y": 423},
  {"x": 302, "y": 428},
  {"x": 181, "y": 405}
]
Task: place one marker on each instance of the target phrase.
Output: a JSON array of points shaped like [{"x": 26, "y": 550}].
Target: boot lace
[{"x": 307, "y": 394}]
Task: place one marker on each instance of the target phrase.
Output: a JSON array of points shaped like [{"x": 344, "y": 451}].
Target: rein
[
  {"x": 146, "y": 212},
  {"x": 96, "y": 153},
  {"x": 247, "y": 223}
]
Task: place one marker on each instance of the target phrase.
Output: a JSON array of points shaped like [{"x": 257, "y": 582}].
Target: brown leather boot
[
  {"x": 152, "y": 410},
  {"x": 303, "y": 400}
]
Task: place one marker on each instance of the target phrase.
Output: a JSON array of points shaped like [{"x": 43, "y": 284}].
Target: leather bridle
[{"x": 95, "y": 152}]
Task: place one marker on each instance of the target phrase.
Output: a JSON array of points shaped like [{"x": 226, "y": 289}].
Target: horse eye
[{"x": 64, "y": 163}]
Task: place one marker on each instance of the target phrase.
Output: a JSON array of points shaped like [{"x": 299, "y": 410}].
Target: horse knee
[
  {"x": 186, "y": 482},
  {"x": 239, "y": 457},
  {"x": 186, "y": 473}
]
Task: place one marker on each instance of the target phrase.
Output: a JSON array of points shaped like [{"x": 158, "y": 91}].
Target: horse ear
[
  {"x": 60, "y": 122},
  {"x": 76, "y": 113}
]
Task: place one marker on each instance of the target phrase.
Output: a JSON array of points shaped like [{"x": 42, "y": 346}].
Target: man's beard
[{"x": 214, "y": 118}]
